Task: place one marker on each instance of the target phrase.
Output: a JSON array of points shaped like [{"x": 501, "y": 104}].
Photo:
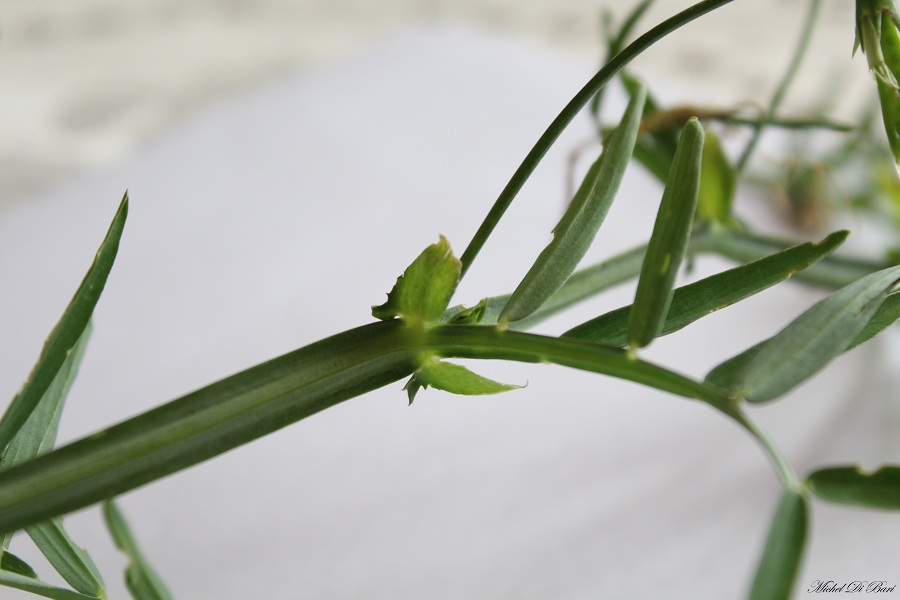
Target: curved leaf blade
[
  {"x": 37, "y": 436},
  {"x": 143, "y": 582},
  {"x": 669, "y": 240},
  {"x": 66, "y": 332},
  {"x": 696, "y": 300},
  {"x": 39, "y": 588},
  {"x": 70, "y": 560},
  {"x": 854, "y": 486},
  {"x": 783, "y": 554},
  {"x": 886, "y": 315},
  {"x": 809, "y": 342},
  {"x": 577, "y": 228}
]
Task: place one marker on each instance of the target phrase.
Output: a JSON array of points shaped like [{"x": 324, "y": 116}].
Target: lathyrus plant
[{"x": 417, "y": 333}]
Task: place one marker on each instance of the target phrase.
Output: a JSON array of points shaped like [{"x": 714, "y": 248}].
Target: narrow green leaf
[
  {"x": 37, "y": 436},
  {"x": 853, "y": 485},
  {"x": 12, "y": 563},
  {"x": 260, "y": 400},
  {"x": 726, "y": 374},
  {"x": 577, "y": 228},
  {"x": 718, "y": 182},
  {"x": 742, "y": 246},
  {"x": 39, "y": 588},
  {"x": 696, "y": 300},
  {"x": 669, "y": 240},
  {"x": 808, "y": 343},
  {"x": 423, "y": 292},
  {"x": 783, "y": 554},
  {"x": 886, "y": 315},
  {"x": 70, "y": 561},
  {"x": 67, "y": 331},
  {"x": 452, "y": 378},
  {"x": 141, "y": 579}
]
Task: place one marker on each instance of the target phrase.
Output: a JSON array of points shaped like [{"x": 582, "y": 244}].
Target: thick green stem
[{"x": 282, "y": 391}]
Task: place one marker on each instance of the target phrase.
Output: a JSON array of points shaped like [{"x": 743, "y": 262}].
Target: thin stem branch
[
  {"x": 568, "y": 113},
  {"x": 784, "y": 469},
  {"x": 781, "y": 91}
]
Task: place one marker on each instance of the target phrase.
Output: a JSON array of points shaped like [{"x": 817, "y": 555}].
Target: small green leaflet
[
  {"x": 141, "y": 579},
  {"x": 808, "y": 343},
  {"x": 854, "y": 486},
  {"x": 696, "y": 300},
  {"x": 423, "y": 292},
  {"x": 452, "y": 378},
  {"x": 669, "y": 241},
  {"x": 781, "y": 559},
  {"x": 578, "y": 226}
]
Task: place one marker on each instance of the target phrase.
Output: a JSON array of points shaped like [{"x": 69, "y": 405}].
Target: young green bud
[{"x": 877, "y": 34}]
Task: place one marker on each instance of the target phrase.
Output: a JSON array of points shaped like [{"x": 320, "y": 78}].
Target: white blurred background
[{"x": 85, "y": 83}]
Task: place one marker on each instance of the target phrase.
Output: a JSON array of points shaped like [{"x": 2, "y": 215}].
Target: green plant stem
[
  {"x": 568, "y": 113},
  {"x": 272, "y": 395},
  {"x": 784, "y": 85},
  {"x": 785, "y": 471}
]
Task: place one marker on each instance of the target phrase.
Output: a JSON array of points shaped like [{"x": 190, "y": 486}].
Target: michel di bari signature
[{"x": 851, "y": 587}]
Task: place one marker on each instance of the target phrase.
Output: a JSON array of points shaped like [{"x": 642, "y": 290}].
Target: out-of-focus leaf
[
  {"x": 423, "y": 292},
  {"x": 13, "y": 564},
  {"x": 718, "y": 181},
  {"x": 783, "y": 554},
  {"x": 452, "y": 378},
  {"x": 853, "y": 485},
  {"x": 577, "y": 228},
  {"x": 886, "y": 315},
  {"x": 141, "y": 579},
  {"x": 70, "y": 561},
  {"x": 696, "y": 300},
  {"x": 66, "y": 333},
  {"x": 812, "y": 340},
  {"x": 669, "y": 240},
  {"x": 39, "y": 588},
  {"x": 833, "y": 272}
]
